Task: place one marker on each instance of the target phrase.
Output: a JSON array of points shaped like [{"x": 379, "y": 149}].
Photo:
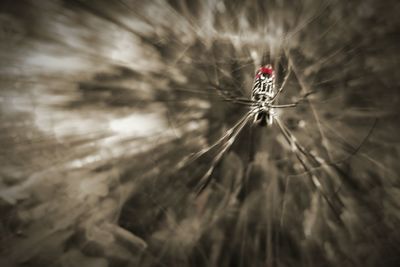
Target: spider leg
[
  {"x": 233, "y": 133},
  {"x": 282, "y": 85},
  {"x": 231, "y": 98},
  {"x": 197, "y": 155},
  {"x": 302, "y": 98},
  {"x": 308, "y": 162},
  {"x": 242, "y": 101},
  {"x": 284, "y": 105}
]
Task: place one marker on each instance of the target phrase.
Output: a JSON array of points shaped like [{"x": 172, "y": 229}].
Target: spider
[
  {"x": 262, "y": 111},
  {"x": 264, "y": 95}
]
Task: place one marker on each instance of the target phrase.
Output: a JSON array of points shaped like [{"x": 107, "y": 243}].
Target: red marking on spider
[{"x": 267, "y": 69}]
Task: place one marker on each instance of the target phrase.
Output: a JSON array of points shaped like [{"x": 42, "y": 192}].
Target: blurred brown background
[{"x": 104, "y": 103}]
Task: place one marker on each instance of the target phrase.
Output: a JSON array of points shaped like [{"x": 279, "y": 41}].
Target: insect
[
  {"x": 264, "y": 95},
  {"x": 261, "y": 110}
]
